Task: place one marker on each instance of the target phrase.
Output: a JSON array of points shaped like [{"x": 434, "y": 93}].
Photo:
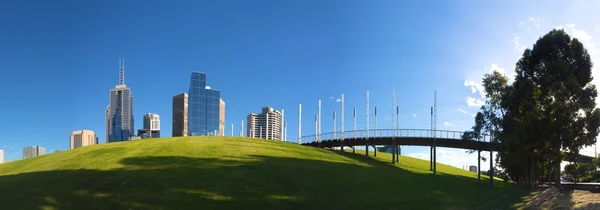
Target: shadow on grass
[{"x": 249, "y": 182}]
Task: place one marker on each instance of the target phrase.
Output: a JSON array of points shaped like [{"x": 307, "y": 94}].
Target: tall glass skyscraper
[
  {"x": 120, "y": 111},
  {"x": 203, "y": 107}
]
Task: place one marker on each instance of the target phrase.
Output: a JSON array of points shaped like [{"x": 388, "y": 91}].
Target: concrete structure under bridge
[{"x": 393, "y": 138}]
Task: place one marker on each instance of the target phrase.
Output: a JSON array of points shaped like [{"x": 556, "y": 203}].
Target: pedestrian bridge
[{"x": 408, "y": 137}]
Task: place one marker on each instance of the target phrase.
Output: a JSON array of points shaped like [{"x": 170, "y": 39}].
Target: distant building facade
[
  {"x": 33, "y": 151},
  {"x": 203, "y": 107},
  {"x": 1, "y": 156},
  {"x": 473, "y": 169},
  {"x": 120, "y": 121},
  {"x": 180, "y": 115},
  {"x": 221, "y": 117},
  {"x": 83, "y": 138},
  {"x": 266, "y": 125},
  {"x": 151, "y": 126}
]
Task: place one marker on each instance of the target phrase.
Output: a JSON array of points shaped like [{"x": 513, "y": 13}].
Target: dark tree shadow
[{"x": 244, "y": 182}]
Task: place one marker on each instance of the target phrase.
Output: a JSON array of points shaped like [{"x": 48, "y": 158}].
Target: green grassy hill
[{"x": 233, "y": 173}]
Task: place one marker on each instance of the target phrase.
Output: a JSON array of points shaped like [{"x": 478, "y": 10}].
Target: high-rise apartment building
[
  {"x": 120, "y": 120},
  {"x": 266, "y": 125},
  {"x": 180, "y": 115},
  {"x": 83, "y": 138},
  {"x": 33, "y": 151},
  {"x": 151, "y": 126},
  {"x": 221, "y": 117},
  {"x": 203, "y": 107},
  {"x": 1, "y": 156}
]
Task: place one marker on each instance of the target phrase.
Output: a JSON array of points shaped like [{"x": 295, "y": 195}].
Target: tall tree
[{"x": 549, "y": 108}]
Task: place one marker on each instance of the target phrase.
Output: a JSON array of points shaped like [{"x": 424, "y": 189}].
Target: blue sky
[{"x": 59, "y": 59}]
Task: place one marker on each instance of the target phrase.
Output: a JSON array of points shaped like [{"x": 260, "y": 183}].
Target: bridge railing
[{"x": 401, "y": 133}]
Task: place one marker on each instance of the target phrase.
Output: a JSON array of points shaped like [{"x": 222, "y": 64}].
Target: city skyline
[{"x": 255, "y": 60}]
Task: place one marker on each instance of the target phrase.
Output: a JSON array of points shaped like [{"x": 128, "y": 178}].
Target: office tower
[
  {"x": 83, "y": 138},
  {"x": 151, "y": 126},
  {"x": 33, "y": 151},
  {"x": 121, "y": 124},
  {"x": 266, "y": 125},
  {"x": 203, "y": 107},
  {"x": 1, "y": 156},
  {"x": 180, "y": 115},
  {"x": 221, "y": 117}
]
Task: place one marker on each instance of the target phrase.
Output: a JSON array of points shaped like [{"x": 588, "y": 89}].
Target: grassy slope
[{"x": 218, "y": 173}]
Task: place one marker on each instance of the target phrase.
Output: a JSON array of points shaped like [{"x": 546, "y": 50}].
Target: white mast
[
  {"x": 319, "y": 122},
  {"x": 282, "y": 124},
  {"x": 299, "y": 123},
  {"x": 334, "y": 129},
  {"x": 342, "y": 119}
]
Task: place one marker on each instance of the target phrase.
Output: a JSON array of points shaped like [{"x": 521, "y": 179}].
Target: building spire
[{"x": 121, "y": 71}]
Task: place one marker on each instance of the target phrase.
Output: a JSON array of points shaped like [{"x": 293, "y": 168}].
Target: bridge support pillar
[
  {"x": 393, "y": 154},
  {"x": 431, "y": 158},
  {"x": 398, "y": 154},
  {"x": 367, "y": 147},
  {"x": 375, "y": 150},
  {"x": 478, "y": 164},
  {"x": 491, "y": 170},
  {"x": 434, "y": 159}
]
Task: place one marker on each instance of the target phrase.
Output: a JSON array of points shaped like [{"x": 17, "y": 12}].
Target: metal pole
[
  {"x": 261, "y": 128},
  {"x": 242, "y": 129},
  {"x": 316, "y": 129},
  {"x": 231, "y": 129},
  {"x": 299, "y": 123},
  {"x": 281, "y": 132},
  {"x": 398, "y": 127},
  {"x": 267, "y": 128},
  {"x": 367, "y": 125},
  {"x": 285, "y": 132},
  {"x": 319, "y": 122},
  {"x": 342, "y": 124},
  {"x": 354, "y": 124},
  {"x": 434, "y": 130},
  {"x": 375, "y": 134},
  {"x": 334, "y": 129}
]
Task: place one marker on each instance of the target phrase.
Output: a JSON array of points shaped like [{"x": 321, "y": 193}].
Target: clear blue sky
[{"x": 58, "y": 59}]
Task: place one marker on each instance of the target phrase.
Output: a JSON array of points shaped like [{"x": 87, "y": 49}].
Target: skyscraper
[
  {"x": 266, "y": 125},
  {"x": 221, "y": 117},
  {"x": 180, "y": 115},
  {"x": 33, "y": 151},
  {"x": 120, "y": 121},
  {"x": 151, "y": 126},
  {"x": 203, "y": 107},
  {"x": 83, "y": 138}
]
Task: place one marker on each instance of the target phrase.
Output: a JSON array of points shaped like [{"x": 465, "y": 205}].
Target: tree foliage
[{"x": 549, "y": 108}]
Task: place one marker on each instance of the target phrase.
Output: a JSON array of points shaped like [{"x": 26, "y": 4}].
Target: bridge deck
[{"x": 410, "y": 137}]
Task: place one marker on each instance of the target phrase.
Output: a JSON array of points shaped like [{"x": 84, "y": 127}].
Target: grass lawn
[{"x": 236, "y": 173}]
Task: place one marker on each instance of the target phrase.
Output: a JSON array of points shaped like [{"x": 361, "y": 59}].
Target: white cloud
[
  {"x": 330, "y": 97},
  {"x": 414, "y": 115},
  {"x": 475, "y": 87},
  {"x": 338, "y": 100},
  {"x": 516, "y": 41},
  {"x": 520, "y": 24},
  {"x": 448, "y": 124},
  {"x": 474, "y": 102},
  {"x": 535, "y": 21},
  {"x": 463, "y": 111}
]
